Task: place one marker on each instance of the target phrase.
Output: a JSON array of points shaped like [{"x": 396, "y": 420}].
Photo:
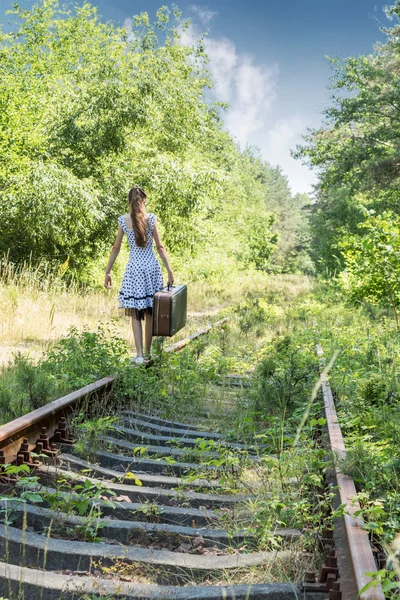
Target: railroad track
[{"x": 146, "y": 518}]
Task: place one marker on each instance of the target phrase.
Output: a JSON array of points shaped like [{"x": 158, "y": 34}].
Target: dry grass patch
[{"x": 38, "y": 307}]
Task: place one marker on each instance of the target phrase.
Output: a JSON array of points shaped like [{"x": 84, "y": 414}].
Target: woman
[{"x": 143, "y": 275}]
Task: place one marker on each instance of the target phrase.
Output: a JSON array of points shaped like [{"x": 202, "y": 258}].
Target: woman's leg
[
  {"x": 148, "y": 335},
  {"x": 138, "y": 335}
]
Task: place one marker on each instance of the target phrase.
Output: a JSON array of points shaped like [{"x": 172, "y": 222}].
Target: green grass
[{"x": 270, "y": 338}]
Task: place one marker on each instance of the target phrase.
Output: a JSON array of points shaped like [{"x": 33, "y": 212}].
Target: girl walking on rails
[{"x": 143, "y": 275}]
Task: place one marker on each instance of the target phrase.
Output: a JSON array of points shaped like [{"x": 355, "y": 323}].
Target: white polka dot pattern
[{"x": 143, "y": 275}]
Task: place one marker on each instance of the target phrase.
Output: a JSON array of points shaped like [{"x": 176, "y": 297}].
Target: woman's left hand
[
  {"x": 108, "y": 282},
  {"x": 170, "y": 278}
]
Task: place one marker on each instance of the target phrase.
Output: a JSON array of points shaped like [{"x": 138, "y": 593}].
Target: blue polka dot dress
[{"x": 143, "y": 275}]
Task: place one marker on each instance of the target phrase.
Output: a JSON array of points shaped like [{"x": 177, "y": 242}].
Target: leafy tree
[
  {"x": 262, "y": 243},
  {"x": 372, "y": 261},
  {"x": 291, "y": 222},
  {"x": 357, "y": 150},
  {"x": 87, "y": 109},
  {"x": 228, "y": 224}
]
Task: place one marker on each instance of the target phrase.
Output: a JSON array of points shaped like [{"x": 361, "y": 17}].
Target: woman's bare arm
[
  {"x": 113, "y": 256},
  {"x": 163, "y": 254}
]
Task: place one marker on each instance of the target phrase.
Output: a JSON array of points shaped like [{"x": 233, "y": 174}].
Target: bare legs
[
  {"x": 148, "y": 332},
  {"x": 138, "y": 334}
]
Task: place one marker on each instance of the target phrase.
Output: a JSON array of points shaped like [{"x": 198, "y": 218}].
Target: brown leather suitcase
[{"x": 169, "y": 310}]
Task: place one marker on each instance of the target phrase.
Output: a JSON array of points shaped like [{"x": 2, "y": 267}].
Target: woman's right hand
[
  {"x": 108, "y": 282},
  {"x": 170, "y": 278}
]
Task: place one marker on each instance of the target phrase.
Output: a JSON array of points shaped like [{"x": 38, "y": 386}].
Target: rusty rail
[
  {"x": 29, "y": 426},
  {"x": 46, "y": 420},
  {"x": 183, "y": 343},
  {"x": 354, "y": 552}
]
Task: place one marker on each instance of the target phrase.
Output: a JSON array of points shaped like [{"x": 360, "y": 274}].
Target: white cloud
[
  {"x": 276, "y": 144},
  {"x": 188, "y": 36},
  {"x": 250, "y": 90},
  {"x": 204, "y": 13},
  {"x": 224, "y": 60},
  {"x": 253, "y": 94},
  {"x": 127, "y": 24}
]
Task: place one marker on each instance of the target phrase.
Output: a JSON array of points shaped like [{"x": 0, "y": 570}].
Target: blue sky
[{"x": 267, "y": 60}]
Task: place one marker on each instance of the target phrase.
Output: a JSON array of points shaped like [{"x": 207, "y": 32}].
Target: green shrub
[
  {"x": 74, "y": 361},
  {"x": 82, "y": 357},
  {"x": 251, "y": 316},
  {"x": 285, "y": 376}
]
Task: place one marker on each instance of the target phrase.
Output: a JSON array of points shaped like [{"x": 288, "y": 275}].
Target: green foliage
[
  {"x": 356, "y": 149},
  {"x": 285, "y": 375},
  {"x": 150, "y": 512},
  {"x": 91, "y": 434},
  {"x": 262, "y": 243},
  {"x": 177, "y": 384},
  {"x": 365, "y": 384},
  {"x": 96, "y": 110},
  {"x": 291, "y": 223},
  {"x": 32, "y": 385},
  {"x": 372, "y": 260},
  {"x": 88, "y": 109},
  {"x": 82, "y": 499},
  {"x": 268, "y": 412},
  {"x": 251, "y": 316},
  {"x": 72, "y": 362},
  {"x": 307, "y": 506},
  {"x": 385, "y": 578},
  {"x": 85, "y": 356}
]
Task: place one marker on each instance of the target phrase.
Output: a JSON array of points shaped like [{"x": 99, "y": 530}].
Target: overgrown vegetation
[
  {"x": 277, "y": 332},
  {"x": 356, "y": 153},
  {"x": 88, "y": 109},
  {"x": 136, "y": 107},
  {"x": 287, "y": 489},
  {"x": 74, "y": 361},
  {"x": 355, "y": 228}
]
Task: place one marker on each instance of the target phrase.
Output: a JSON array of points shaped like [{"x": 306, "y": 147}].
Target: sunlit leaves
[
  {"x": 356, "y": 151},
  {"x": 372, "y": 260},
  {"x": 88, "y": 109},
  {"x": 86, "y": 115}
]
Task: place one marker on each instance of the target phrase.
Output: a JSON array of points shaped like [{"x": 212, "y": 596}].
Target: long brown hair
[{"x": 136, "y": 199}]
